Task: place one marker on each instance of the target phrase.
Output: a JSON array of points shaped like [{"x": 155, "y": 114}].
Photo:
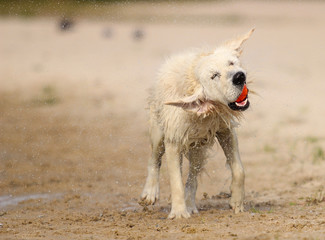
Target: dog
[{"x": 194, "y": 102}]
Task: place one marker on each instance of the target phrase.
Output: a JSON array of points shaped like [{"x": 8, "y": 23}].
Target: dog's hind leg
[
  {"x": 229, "y": 144},
  {"x": 196, "y": 158},
  {"x": 150, "y": 193}
]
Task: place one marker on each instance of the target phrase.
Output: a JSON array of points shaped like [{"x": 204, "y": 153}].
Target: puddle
[
  {"x": 126, "y": 209},
  {"x": 11, "y": 200},
  {"x": 131, "y": 206}
]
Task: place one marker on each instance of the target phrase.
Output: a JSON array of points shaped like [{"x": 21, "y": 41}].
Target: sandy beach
[{"x": 74, "y": 133}]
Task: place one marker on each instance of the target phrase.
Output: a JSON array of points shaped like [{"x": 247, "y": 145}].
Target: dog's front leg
[
  {"x": 228, "y": 141},
  {"x": 173, "y": 157}
]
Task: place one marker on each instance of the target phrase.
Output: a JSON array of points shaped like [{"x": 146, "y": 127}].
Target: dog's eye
[
  {"x": 231, "y": 63},
  {"x": 216, "y": 75}
]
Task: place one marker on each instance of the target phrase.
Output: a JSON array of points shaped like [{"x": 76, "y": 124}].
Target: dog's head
[{"x": 220, "y": 78}]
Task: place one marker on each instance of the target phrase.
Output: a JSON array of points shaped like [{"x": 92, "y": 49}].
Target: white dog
[{"x": 199, "y": 95}]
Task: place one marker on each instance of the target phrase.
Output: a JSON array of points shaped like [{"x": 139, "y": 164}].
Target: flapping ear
[
  {"x": 236, "y": 44},
  {"x": 195, "y": 103}
]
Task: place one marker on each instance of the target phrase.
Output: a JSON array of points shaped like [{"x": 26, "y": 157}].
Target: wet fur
[{"x": 186, "y": 116}]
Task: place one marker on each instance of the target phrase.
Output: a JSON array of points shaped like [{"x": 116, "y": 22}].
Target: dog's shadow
[{"x": 222, "y": 203}]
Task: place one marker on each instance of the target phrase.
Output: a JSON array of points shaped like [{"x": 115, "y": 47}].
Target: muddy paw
[
  {"x": 237, "y": 206},
  {"x": 192, "y": 209},
  {"x": 179, "y": 214},
  {"x": 149, "y": 196}
]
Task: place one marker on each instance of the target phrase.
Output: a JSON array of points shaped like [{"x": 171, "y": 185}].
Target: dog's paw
[
  {"x": 179, "y": 214},
  {"x": 150, "y": 195},
  {"x": 192, "y": 209},
  {"x": 237, "y": 206}
]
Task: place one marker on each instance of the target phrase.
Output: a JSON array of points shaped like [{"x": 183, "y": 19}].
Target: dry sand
[{"x": 73, "y": 124}]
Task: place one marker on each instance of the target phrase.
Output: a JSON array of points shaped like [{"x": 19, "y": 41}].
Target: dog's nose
[{"x": 239, "y": 78}]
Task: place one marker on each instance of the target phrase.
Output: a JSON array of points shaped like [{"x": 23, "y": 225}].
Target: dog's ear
[
  {"x": 236, "y": 44},
  {"x": 195, "y": 103}
]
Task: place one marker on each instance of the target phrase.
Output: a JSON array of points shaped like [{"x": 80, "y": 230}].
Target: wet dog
[{"x": 199, "y": 96}]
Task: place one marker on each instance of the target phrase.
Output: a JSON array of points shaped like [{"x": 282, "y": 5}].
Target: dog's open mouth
[{"x": 242, "y": 103}]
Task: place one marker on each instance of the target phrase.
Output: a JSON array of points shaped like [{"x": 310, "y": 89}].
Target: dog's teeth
[{"x": 241, "y": 104}]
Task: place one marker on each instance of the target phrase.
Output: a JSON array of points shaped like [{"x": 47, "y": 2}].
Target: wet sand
[{"x": 74, "y": 141}]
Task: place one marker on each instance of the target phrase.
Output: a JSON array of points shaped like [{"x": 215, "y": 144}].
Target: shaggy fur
[{"x": 189, "y": 108}]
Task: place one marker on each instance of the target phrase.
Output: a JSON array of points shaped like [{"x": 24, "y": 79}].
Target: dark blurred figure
[
  {"x": 107, "y": 33},
  {"x": 66, "y": 24},
  {"x": 138, "y": 34}
]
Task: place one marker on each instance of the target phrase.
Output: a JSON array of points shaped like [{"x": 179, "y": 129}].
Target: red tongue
[{"x": 243, "y": 95}]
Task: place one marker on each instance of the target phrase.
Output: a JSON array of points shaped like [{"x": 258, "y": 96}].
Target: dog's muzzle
[
  {"x": 242, "y": 106},
  {"x": 242, "y": 103}
]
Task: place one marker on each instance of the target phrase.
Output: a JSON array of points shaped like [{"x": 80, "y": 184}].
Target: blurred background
[{"x": 74, "y": 143}]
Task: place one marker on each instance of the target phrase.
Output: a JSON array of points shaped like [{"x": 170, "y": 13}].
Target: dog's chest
[{"x": 203, "y": 131}]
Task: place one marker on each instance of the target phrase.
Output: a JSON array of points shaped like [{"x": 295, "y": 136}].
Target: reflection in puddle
[
  {"x": 130, "y": 206},
  {"x": 11, "y": 200}
]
